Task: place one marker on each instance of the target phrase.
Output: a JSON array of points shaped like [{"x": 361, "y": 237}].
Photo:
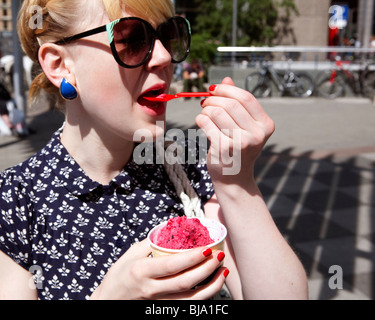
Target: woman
[{"x": 77, "y": 212}]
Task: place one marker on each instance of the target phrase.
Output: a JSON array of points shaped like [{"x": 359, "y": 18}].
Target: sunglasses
[{"x": 132, "y": 39}]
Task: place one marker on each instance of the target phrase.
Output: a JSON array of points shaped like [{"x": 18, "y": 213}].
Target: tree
[{"x": 258, "y": 24}]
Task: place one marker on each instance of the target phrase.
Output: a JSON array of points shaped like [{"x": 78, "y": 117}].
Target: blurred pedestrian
[
  {"x": 4, "y": 112},
  {"x": 13, "y": 118},
  {"x": 193, "y": 76}
]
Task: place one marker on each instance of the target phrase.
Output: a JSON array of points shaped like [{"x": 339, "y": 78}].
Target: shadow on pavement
[
  {"x": 324, "y": 209},
  {"x": 43, "y": 126}
]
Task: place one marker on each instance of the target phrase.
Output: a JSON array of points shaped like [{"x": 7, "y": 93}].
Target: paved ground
[{"x": 316, "y": 173}]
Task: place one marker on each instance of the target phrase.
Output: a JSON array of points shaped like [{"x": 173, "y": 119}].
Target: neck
[{"x": 101, "y": 156}]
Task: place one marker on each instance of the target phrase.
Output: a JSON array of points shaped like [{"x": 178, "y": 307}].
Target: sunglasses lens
[
  {"x": 133, "y": 41},
  {"x": 175, "y": 36}
]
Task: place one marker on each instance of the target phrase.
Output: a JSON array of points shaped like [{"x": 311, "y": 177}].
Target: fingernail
[
  {"x": 212, "y": 88},
  {"x": 202, "y": 102},
  {"x": 221, "y": 256},
  {"x": 226, "y": 273},
  {"x": 207, "y": 252}
]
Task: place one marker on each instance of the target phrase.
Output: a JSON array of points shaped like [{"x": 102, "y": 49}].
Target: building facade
[
  {"x": 6, "y": 27},
  {"x": 5, "y": 15},
  {"x": 310, "y": 27}
]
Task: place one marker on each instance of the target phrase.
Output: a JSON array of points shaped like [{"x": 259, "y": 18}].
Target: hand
[
  {"x": 136, "y": 276},
  {"x": 237, "y": 128}
]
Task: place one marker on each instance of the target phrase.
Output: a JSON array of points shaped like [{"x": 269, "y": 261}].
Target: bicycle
[
  {"x": 332, "y": 84},
  {"x": 368, "y": 80},
  {"x": 296, "y": 84}
]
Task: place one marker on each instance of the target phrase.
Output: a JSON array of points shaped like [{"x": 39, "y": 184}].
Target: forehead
[
  {"x": 100, "y": 12},
  {"x": 93, "y": 13},
  {"x": 153, "y": 11}
]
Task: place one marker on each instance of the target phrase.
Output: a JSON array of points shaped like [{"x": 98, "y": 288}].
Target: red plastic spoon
[{"x": 167, "y": 97}]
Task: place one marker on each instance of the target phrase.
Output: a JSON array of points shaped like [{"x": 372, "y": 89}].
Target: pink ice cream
[{"x": 183, "y": 233}]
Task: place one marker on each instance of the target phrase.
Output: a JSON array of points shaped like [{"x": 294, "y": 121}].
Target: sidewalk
[
  {"x": 317, "y": 176},
  {"x": 42, "y": 123},
  {"x": 316, "y": 173}
]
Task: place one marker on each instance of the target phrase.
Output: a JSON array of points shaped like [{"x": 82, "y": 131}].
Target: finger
[
  {"x": 139, "y": 250},
  {"x": 233, "y": 108},
  {"x": 205, "y": 291},
  {"x": 228, "y": 81},
  {"x": 192, "y": 277},
  {"x": 221, "y": 118},
  {"x": 173, "y": 264},
  {"x": 213, "y": 134},
  {"x": 213, "y": 287},
  {"x": 245, "y": 98},
  {"x": 208, "y": 127}
]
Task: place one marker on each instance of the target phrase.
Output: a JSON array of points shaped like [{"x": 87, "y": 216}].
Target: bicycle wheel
[
  {"x": 368, "y": 84},
  {"x": 258, "y": 85},
  {"x": 301, "y": 85},
  {"x": 331, "y": 89}
]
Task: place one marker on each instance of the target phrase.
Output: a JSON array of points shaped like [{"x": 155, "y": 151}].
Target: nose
[{"x": 160, "y": 57}]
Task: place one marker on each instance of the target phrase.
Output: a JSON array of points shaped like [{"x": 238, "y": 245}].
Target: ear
[{"x": 53, "y": 59}]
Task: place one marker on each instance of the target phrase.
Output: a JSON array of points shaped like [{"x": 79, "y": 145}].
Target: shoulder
[
  {"x": 17, "y": 186},
  {"x": 20, "y": 177},
  {"x": 15, "y": 214},
  {"x": 11, "y": 182},
  {"x": 25, "y": 174}
]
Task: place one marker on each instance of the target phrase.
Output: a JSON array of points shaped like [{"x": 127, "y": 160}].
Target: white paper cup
[{"x": 217, "y": 231}]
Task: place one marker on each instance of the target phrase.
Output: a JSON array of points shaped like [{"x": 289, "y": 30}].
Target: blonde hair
[{"x": 61, "y": 18}]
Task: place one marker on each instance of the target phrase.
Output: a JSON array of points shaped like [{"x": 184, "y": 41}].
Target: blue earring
[{"x": 67, "y": 90}]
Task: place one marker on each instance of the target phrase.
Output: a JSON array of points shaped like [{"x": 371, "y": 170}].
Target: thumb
[
  {"x": 141, "y": 249},
  {"x": 228, "y": 80}
]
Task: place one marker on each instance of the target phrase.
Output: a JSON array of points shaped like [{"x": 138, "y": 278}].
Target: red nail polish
[
  {"x": 202, "y": 102},
  {"x": 207, "y": 252},
  {"x": 212, "y": 88},
  {"x": 221, "y": 256},
  {"x": 226, "y": 273}
]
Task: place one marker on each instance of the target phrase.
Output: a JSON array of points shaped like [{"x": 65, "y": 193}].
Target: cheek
[
  {"x": 103, "y": 85},
  {"x": 97, "y": 73}
]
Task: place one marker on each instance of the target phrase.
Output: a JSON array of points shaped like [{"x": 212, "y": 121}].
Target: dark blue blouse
[{"x": 68, "y": 230}]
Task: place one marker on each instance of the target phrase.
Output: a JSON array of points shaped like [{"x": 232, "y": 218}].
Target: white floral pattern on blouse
[{"x": 68, "y": 230}]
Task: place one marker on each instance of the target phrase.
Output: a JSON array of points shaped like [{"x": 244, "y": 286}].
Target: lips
[{"x": 151, "y": 92}]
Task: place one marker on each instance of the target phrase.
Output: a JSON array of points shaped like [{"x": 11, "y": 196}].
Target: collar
[{"x": 74, "y": 178}]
